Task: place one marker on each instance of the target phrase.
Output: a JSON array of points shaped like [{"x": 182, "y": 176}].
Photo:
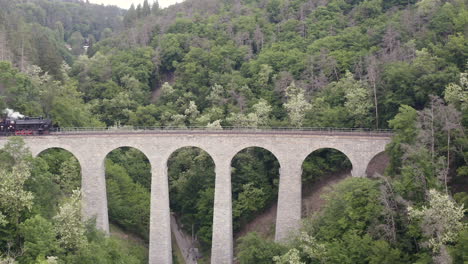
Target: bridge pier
[
  {"x": 288, "y": 215},
  {"x": 93, "y": 187},
  {"x": 222, "y": 242},
  {"x": 160, "y": 247},
  {"x": 360, "y": 161}
]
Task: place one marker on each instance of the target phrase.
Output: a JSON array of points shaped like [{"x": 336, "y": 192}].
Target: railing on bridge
[{"x": 228, "y": 130}]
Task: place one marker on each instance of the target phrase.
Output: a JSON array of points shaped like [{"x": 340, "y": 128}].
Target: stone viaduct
[{"x": 290, "y": 148}]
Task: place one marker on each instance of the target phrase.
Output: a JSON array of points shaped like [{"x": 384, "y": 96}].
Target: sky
[{"x": 125, "y": 4}]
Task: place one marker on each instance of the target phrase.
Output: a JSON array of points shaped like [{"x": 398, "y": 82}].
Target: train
[{"x": 25, "y": 126}]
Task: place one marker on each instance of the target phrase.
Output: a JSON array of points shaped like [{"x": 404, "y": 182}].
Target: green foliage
[
  {"x": 461, "y": 198},
  {"x": 33, "y": 188},
  {"x": 54, "y": 176},
  {"x": 321, "y": 162},
  {"x": 347, "y": 102},
  {"x": 405, "y": 131},
  {"x": 43, "y": 185},
  {"x": 254, "y": 249},
  {"x": 459, "y": 251},
  {"x": 361, "y": 249},
  {"x": 255, "y": 176},
  {"x": 441, "y": 221},
  {"x": 296, "y": 105},
  {"x": 191, "y": 190},
  {"x": 135, "y": 163},
  {"x": 128, "y": 201},
  {"x": 39, "y": 239},
  {"x": 68, "y": 224},
  {"x": 425, "y": 75},
  {"x": 353, "y": 206},
  {"x": 101, "y": 249},
  {"x": 17, "y": 90},
  {"x": 15, "y": 202},
  {"x": 340, "y": 233}
]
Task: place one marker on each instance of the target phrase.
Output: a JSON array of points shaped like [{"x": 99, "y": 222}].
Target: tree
[
  {"x": 255, "y": 249},
  {"x": 290, "y": 257},
  {"x": 130, "y": 16},
  {"x": 39, "y": 239},
  {"x": 355, "y": 201},
  {"x": 358, "y": 101},
  {"x": 15, "y": 200},
  {"x": 373, "y": 76},
  {"x": 296, "y": 105},
  {"x": 68, "y": 224},
  {"x": 309, "y": 246},
  {"x": 405, "y": 132},
  {"x": 59, "y": 31},
  {"x": 106, "y": 33},
  {"x": 15, "y": 152},
  {"x": 435, "y": 121},
  {"x": 440, "y": 221},
  {"x": 257, "y": 118},
  {"x": 77, "y": 41},
  {"x": 191, "y": 191},
  {"x": 155, "y": 7},
  {"x": 128, "y": 198},
  {"x": 146, "y": 10},
  {"x": 70, "y": 178},
  {"x": 458, "y": 94},
  {"x": 251, "y": 199}
]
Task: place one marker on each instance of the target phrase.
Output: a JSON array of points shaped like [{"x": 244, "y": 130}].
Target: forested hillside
[
  {"x": 375, "y": 64},
  {"x": 48, "y": 32}
]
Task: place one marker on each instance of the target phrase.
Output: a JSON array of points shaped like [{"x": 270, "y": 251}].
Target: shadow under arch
[
  {"x": 128, "y": 185},
  {"x": 255, "y": 182},
  {"x": 377, "y": 164},
  {"x": 321, "y": 168},
  {"x": 191, "y": 178}
]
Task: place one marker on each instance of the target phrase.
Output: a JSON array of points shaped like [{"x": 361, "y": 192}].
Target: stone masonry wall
[{"x": 290, "y": 150}]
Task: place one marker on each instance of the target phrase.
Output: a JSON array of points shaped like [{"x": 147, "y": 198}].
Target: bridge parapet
[{"x": 227, "y": 130}]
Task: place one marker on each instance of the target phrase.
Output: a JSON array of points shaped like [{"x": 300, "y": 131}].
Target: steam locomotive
[{"x": 25, "y": 126}]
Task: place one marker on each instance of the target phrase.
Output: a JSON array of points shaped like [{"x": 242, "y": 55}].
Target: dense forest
[{"x": 400, "y": 65}]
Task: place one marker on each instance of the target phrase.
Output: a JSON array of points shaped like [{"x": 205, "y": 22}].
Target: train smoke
[{"x": 12, "y": 114}]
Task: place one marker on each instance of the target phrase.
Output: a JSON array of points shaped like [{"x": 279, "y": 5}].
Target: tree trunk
[
  {"x": 448, "y": 160},
  {"x": 432, "y": 133},
  {"x": 22, "y": 54},
  {"x": 376, "y": 107}
]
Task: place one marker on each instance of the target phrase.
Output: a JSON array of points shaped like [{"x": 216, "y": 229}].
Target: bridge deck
[{"x": 226, "y": 131}]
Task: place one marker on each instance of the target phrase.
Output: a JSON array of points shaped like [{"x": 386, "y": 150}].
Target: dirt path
[{"x": 184, "y": 241}]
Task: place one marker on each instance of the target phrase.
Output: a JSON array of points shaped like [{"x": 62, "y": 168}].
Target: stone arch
[
  {"x": 191, "y": 173},
  {"x": 118, "y": 170},
  {"x": 349, "y": 157},
  {"x": 177, "y": 148},
  {"x": 268, "y": 147},
  {"x": 268, "y": 213},
  {"x": 377, "y": 164},
  {"x": 142, "y": 150},
  {"x": 316, "y": 174},
  {"x": 66, "y": 176},
  {"x": 344, "y": 152},
  {"x": 38, "y": 153}
]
